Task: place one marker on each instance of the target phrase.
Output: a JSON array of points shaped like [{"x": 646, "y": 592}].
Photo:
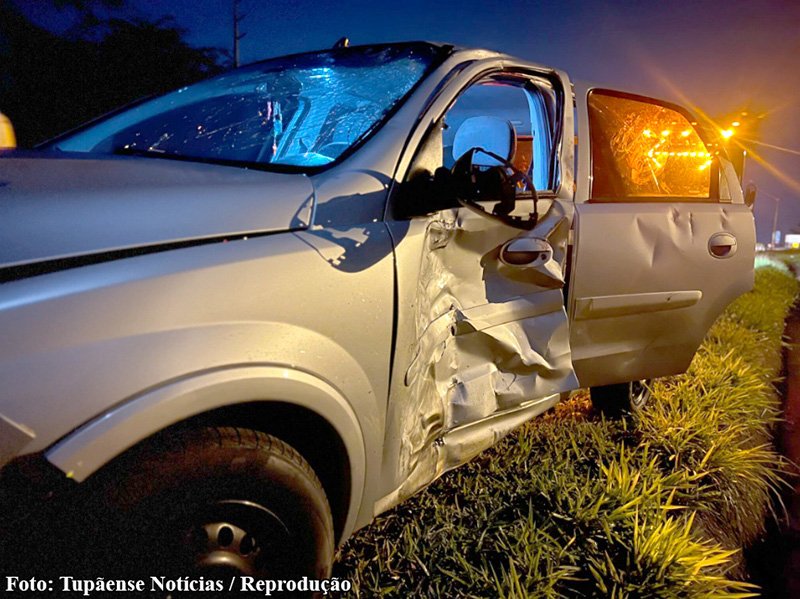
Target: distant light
[
  {"x": 665, "y": 132},
  {"x": 727, "y": 133},
  {"x": 735, "y": 123},
  {"x": 687, "y": 154},
  {"x": 647, "y": 133},
  {"x": 685, "y": 133}
]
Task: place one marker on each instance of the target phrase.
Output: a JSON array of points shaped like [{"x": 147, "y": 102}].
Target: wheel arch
[{"x": 295, "y": 406}]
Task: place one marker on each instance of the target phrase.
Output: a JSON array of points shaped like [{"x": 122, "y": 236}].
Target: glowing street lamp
[{"x": 736, "y": 131}]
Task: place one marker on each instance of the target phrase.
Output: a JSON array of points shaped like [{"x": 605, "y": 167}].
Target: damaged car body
[{"x": 326, "y": 279}]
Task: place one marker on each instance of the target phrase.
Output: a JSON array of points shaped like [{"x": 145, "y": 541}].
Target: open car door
[
  {"x": 663, "y": 241},
  {"x": 482, "y": 333}
]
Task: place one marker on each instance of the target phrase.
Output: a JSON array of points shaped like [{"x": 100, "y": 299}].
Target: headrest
[{"x": 488, "y": 132}]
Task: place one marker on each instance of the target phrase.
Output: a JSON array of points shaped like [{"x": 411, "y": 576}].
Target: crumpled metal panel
[
  {"x": 491, "y": 337},
  {"x": 461, "y": 445}
]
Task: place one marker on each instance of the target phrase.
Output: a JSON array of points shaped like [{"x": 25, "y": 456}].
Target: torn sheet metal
[
  {"x": 492, "y": 335},
  {"x": 461, "y": 445}
]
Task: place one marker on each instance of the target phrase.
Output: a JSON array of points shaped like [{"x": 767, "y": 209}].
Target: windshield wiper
[
  {"x": 148, "y": 152},
  {"x": 262, "y": 166}
]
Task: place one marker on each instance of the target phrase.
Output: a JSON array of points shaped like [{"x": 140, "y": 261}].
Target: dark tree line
[{"x": 50, "y": 83}]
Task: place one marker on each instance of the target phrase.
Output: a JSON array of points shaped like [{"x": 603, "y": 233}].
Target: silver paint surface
[
  {"x": 64, "y": 207},
  {"x": 414, "y": 339}
]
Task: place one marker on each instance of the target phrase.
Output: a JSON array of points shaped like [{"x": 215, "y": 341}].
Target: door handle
[
  {"x": 526, "y": 252},
  {"x": 722, "y": 245}
]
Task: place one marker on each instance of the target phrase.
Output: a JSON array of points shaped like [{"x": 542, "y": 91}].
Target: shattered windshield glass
[
  {"x": 304, "y": 110},
  {"x": 643, "y": 149}
]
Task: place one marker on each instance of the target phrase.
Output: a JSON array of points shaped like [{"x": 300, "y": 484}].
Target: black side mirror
[
  {"x": 473, "y": 184},
  {"x": 750, "y": 195},
  {"x": 425, "y": 193}
]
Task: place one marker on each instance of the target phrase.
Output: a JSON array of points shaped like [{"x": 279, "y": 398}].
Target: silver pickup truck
[{"x": 242, "y": 319}]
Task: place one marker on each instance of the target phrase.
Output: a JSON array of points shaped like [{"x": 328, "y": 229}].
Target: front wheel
[
  {"x": 213, "y": 503},
  {"x": 621, "y": 399}
]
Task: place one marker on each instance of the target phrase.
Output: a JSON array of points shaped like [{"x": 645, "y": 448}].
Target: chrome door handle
[{"x": 722, "y": 245}]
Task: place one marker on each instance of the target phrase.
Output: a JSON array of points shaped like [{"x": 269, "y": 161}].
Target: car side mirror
[
  {"x": 750, "y": 195},
  {"x": 425, "y": 193},
  {"x": 474, "y": 184}
]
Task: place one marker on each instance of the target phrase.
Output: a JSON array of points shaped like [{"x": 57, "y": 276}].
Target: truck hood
[{"x": 56, "y": 207}]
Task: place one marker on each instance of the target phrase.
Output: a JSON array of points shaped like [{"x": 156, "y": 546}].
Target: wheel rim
[
  {"x": 638, "y": 393},
  {"x": 237, "y": 537}
]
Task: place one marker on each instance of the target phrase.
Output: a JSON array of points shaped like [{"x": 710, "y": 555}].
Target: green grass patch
[{"x": 573, "y": 505}]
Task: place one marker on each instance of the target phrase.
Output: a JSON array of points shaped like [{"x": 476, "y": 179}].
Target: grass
[{"x": 573, "y": 505}]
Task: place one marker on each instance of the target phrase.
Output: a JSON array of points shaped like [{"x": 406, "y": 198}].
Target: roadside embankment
[{"x": 573, "y": 505}]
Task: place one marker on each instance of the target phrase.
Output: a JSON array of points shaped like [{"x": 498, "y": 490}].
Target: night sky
[{"x": 719, "y": 56}]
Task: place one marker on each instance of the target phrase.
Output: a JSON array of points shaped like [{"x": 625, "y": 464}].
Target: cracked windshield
[{"x": 303, "y": 111}]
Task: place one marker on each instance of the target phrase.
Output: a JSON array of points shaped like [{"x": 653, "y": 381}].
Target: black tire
[
  {"x": 211, "y": 503},
  {"x": 616, "y": 401}
]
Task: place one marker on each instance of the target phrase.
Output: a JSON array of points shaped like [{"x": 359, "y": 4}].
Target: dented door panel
[
  {"x": 646, "y": 288},
  {"x": 489, "y": 346},
  {"x": 482, "y": 342},
  {"x": 650, "y": 275}
]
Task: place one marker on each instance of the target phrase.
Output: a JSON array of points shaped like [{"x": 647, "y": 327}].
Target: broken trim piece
[
  {"x": 461, "y": 444},
  {"x": 495, "y": 314},
  {"x": 634, "y": 303}
]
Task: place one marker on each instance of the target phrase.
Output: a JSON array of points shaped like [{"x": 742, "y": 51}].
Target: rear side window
[{"x": 642, "y": 149}]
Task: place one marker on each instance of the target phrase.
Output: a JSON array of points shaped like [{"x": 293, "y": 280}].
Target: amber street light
[{"x": 735, "y": 128}]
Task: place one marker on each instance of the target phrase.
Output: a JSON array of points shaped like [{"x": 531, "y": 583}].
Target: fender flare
[{"x": 90, "y": 447}]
